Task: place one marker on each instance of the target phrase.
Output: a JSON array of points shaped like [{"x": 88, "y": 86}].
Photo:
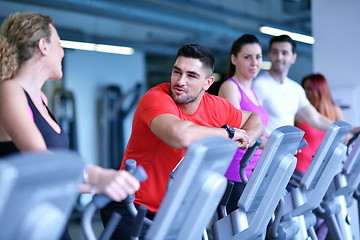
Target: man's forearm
[{"x": 254, "y": 127}]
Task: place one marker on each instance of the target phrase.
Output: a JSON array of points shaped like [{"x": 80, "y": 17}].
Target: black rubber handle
[
  {"x": 139, "y": 221},
  {"x": 244, "y": 162}
]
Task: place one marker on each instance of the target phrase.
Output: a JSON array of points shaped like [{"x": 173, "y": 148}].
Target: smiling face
[
  {"x": 189, "y": 80},
  {"x": 281, "y": 57},
  {"x": 248, "y": 61}
]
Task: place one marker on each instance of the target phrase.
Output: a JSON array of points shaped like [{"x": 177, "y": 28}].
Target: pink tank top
[{"x": 245, "y": 104}]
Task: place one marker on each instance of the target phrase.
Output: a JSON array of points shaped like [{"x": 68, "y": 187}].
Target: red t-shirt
[
  {"x": 313, "y": 137},
  {"x": 158, "y": 158}
]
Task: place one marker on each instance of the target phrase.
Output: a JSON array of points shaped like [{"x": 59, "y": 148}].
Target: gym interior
[{"x": 95, "y": 100}]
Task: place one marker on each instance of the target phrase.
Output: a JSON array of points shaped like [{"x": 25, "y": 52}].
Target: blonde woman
[{"x": 30, "y": 55}]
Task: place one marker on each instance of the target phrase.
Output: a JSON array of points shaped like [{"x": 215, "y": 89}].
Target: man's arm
[
  {"x": 252, "y": 124},
  {"x": 339, "y": 115},
  {"x": 180, "y": 134},
  {"x": 314, "y": 118}
]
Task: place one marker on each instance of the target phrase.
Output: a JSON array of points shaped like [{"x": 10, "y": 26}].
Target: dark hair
[
  {"x": 236, "y": 48},
  {"x": 283, "y": 38},
  {"x": 20, "y": 34},
  {"x": 197, "y": 51}
]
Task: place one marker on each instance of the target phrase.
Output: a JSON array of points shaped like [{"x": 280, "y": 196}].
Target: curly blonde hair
[
  {"x": 20, "y": 34},
  {"x": 8, "y": 59}
]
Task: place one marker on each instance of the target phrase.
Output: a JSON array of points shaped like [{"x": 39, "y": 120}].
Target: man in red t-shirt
[{"x": 169, "y": 118}]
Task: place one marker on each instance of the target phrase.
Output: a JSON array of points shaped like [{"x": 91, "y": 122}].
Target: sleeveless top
[
  {"x": 52, "y": 139},
  {"x": 245, "y": 104},
  {"x": 313, "y": 137}
]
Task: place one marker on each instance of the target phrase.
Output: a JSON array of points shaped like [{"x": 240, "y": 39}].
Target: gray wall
[
  {"x": 84, "y": 74},
  {"x": 336, "y": 51}
]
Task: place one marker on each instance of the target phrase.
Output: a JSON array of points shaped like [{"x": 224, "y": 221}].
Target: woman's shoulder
[
  {"x": 228, "y": 83},
  {"x": 10, "y": 86},
  {"x": 229, "y": 89},
  {"x": 11, "y": 92},
  {"x": 8, "y": 82},
  {"x": 12, "y": 99}
]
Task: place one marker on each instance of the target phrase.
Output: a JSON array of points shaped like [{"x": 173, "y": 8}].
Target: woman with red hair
[{"x": 318, "y": 92}]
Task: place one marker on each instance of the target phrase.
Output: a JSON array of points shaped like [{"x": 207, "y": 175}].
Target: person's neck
[
  {"x": 30, "y": 78},
  {"x": 244, "y": 83},
  {"x": 191, "y": 108},
  {"x": 278, "y": 76}
]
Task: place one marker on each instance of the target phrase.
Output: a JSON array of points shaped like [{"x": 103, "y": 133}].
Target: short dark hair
[
  {"x": 236, "y": 48},
  {"x": 284, "y": 38},
  {"x": 197, "y": 51}
]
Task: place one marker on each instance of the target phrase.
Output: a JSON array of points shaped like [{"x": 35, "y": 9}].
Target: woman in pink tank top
[{"x": 244, "y": 64}]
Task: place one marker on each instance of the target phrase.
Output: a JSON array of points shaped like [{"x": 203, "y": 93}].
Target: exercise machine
[
  {"x": 197, "y": 187},
  {"x": 264, "y": 189},
  {"x": 194, "y": 192},
  {"x": 65, "y": 112},
  {"x": 339, "y": 198},
  {"x": 112, "y": 110},
  {"x": 101, "y": 200},
  {"x": 37, "y": 194},
  {"x": 295, "y": 219}
]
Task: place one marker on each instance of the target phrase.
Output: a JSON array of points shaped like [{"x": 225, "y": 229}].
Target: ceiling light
[
  {"x": 97, "y": 47},
  {"x": 295, "y": 36}
]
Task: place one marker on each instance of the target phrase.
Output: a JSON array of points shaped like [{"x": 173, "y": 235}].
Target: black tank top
[{"x": 52, "y": 139}]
